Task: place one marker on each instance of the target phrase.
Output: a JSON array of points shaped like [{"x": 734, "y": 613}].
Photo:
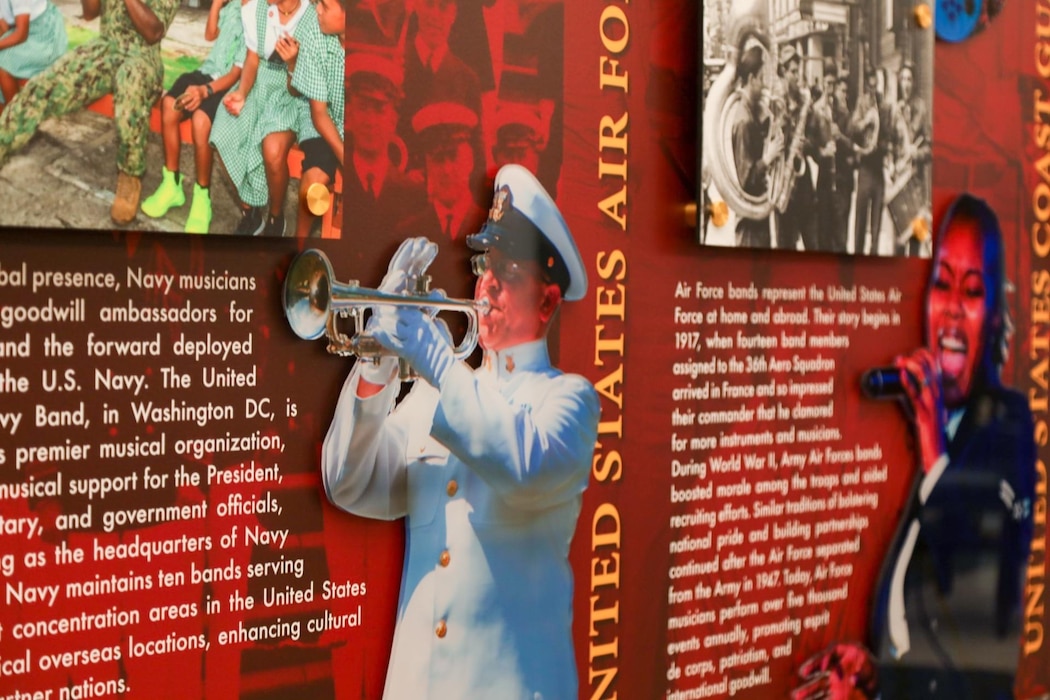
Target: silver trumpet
[{"x": 313, "y": 300}]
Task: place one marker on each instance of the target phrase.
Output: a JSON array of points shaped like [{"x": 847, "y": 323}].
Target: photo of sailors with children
[{"x": 156, "y": 115}]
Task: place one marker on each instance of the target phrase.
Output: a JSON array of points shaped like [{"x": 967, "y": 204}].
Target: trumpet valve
[
  {"x": 420, "y": 284},
  {"x": 367, "y": 347},
  {"x": 340, "y": 349},
  {"x": 315, "y": 304},
  {"x": 338, "y": 342}
]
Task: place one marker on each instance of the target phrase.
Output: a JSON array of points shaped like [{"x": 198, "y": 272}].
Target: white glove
[
  {"x": 410, "y": 261},
  {"x": 419, "y": 339}
]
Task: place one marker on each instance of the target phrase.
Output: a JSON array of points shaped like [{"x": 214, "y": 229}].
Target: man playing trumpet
[{"x": 488, "y": 466}]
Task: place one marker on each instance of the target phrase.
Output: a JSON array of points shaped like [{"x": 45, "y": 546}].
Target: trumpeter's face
[{"x": 520, "y": 300}]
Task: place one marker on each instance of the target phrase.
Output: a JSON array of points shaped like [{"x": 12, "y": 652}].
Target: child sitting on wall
[
  {"x": 256, "y": 131},
  {"x": 318, "y": 75},
  {"x": 196, "y": 96},
  {"x": 32, "y": 37}
]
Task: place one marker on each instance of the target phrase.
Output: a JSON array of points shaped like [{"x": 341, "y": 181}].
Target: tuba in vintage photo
[{"x": 747, "y": 25}]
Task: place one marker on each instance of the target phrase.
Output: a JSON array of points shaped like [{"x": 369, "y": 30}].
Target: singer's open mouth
[{"x": 953, "y": 348}]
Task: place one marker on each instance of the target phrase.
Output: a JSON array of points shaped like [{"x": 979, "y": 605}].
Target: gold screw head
[
  {"x": 690, "y": 215},
  {"x": 923, "y": 15},
  {"x": 318, "y": 199},
  {"x": 920, "y": 229},
  {"x": 719, "y": 212}
]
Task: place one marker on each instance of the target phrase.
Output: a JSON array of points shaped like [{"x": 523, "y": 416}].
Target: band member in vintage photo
[
  {"x": 433, "y": 71},
  {"x": 376, "y": 187},
  {"x": 821, "y": 136},
  {"x": 521, "y": 136},
  {"x": 497, "y": 65},
  {"x": 868, "y": 137},
  {"x": 914, "y": 152},
  {"x": 754, "y": 148},
  {"x": 446, "y": 133},
  {"x": 487, "y": 466},
  {"x": 793, "y": 179},
  {"x": 845, "y": 166}
]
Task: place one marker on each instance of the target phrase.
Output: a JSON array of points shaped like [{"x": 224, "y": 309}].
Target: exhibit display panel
[{"x": 673, "y": 466}]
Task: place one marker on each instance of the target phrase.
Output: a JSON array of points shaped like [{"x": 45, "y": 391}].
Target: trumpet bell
[{"x": 308, "y": 294}]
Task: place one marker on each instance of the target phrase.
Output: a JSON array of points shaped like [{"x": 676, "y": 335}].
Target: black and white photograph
[{"x": 815, "y": 126}]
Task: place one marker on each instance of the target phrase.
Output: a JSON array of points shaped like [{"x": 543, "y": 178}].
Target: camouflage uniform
[{"x": 119, "y": 61}]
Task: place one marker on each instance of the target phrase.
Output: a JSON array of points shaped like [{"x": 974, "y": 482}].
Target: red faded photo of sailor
[
  {"x": 441, "y": 94},
  {"x": 155, "y": 115},
  {"x": 816, "y": 127}
]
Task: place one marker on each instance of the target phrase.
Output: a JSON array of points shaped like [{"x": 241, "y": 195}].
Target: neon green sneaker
[
  {"x": 169, "y": 194},
  {"x": 200, "y": 210}
]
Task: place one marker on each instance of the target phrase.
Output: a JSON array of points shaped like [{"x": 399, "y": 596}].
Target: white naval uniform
[{"x": 490, "y": 473}]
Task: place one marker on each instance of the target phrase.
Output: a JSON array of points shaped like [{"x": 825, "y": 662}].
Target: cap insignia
[{"x": 502, "y": 201}]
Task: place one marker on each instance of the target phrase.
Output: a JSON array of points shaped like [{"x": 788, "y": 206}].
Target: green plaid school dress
[
  {"x": 269, "y": 108},
  {"x": 45, "y": 43},
  {"x": 228, "y": 49},
  {"x": 319, "y": 75}
]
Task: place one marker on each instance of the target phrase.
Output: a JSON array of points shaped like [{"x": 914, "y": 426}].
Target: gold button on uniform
[
  {"x": 452, "y": 487},
  {"x": 445, "y": 558},
  {"x": 441, "y": 630}
]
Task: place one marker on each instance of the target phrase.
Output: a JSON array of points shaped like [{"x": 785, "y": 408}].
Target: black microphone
[{"x": 882, "y": 383}]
